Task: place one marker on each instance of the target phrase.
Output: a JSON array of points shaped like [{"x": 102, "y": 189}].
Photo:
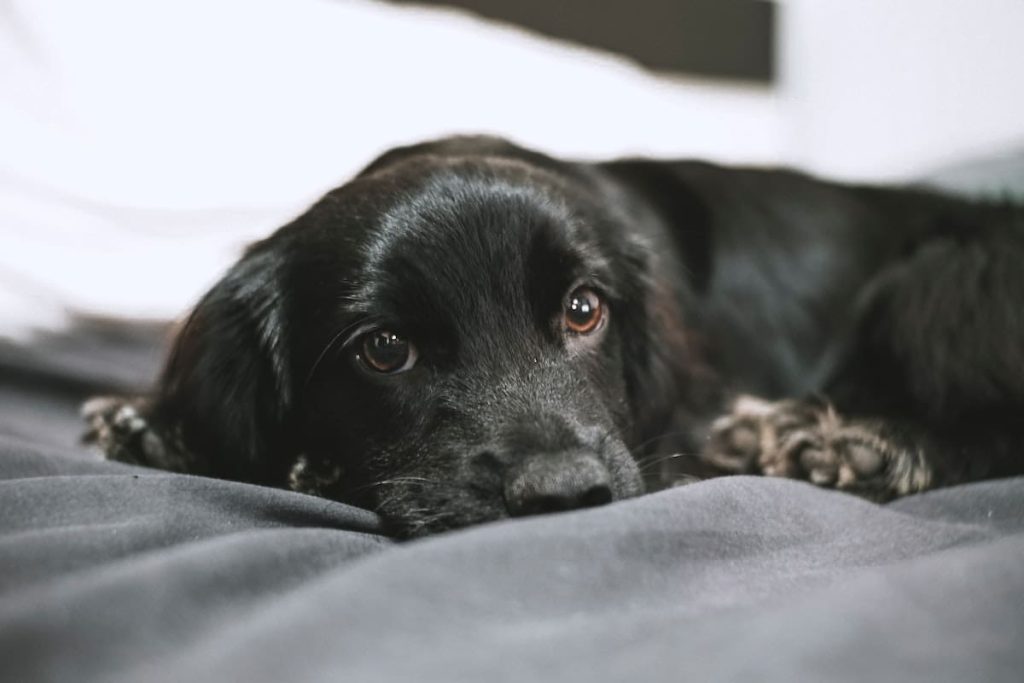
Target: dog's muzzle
[{"x": 553, "y": 482}]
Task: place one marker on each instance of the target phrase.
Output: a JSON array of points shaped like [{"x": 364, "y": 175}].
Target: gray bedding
[{"x": 114, "y": 573}]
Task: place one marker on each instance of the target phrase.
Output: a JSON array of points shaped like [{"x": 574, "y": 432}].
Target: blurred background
[{"x": 142, "y": 144}]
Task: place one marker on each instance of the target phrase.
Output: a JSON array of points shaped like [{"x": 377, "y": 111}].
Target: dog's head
[{"x": 466, "y": 331}]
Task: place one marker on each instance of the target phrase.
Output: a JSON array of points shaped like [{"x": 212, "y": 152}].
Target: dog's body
[{"x": 469, "y": 330}]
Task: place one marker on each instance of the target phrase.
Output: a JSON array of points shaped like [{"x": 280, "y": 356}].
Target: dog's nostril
[{"x": 557, "y": 483}]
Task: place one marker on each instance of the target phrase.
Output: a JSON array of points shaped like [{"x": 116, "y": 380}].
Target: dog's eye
[
  {"x": 384, "y": 351},
  {"x": 584, "y": 311}
]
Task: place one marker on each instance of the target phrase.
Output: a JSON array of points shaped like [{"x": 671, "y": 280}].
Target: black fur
[{"x": 760, "y": 321}]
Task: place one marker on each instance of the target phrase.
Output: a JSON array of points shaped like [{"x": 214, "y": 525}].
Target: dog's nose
[{"x": 556, "y": 482}]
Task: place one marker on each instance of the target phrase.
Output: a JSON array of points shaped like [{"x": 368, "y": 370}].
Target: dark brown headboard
[{"x": 718, "y": 38}]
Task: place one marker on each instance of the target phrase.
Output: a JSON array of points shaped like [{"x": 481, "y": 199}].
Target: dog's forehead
[{"x": 467, "y": 238}]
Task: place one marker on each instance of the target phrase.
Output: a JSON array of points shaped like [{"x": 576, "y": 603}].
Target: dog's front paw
[
  {"x": 121, "y": 431},
  {"x": 314, "y": 476},
  {"x": 809, "y": 440},
  {"x": 116, "y": 426},
  {"x": 748, "y": 439}
]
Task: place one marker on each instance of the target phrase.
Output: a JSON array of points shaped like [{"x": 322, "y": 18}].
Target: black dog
[{"x": 469, "y": 330}]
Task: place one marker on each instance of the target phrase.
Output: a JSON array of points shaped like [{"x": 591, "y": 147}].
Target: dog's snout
[{"x": 556, "y": 482}]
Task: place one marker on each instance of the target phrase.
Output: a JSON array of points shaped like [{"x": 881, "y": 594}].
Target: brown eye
[
  {"x": 384, "y": 351},
  {"x": 583, "y": 311}
]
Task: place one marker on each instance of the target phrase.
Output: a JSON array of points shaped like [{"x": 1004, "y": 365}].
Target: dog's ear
[
  {"x": 668, "y": 376},
  {"x": 226, "y": 392}
]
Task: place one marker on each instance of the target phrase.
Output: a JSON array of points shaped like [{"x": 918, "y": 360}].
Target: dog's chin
[
  {"x": 419, "y": 518},
  {"x": 413, "y": 509}
]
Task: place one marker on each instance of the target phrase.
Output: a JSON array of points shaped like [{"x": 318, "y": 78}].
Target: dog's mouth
[{"x": 488, "y": 490}]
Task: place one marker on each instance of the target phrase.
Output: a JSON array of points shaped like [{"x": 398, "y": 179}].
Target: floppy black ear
[
  {"x": 667, "y": 374},
  {"x": 225, "y": 395}
]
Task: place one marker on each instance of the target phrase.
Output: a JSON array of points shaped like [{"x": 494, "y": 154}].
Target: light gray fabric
[{"x": 114, "y": 573}]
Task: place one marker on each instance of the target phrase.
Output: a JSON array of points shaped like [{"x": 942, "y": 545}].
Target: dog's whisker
[
  {"x": 647, "y": 465},
  {"x": 659, "y": 437},
  {"x": 406, "y": 480},
  {"x": 398, "y": 488}
]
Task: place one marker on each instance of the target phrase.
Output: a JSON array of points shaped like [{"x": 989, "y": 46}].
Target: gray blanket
[{"x": 111, "y": 573}]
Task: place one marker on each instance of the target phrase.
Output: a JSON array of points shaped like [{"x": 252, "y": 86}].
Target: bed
[{"x": 110, "y": 572}]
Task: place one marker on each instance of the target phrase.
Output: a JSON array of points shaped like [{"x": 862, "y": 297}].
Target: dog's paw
[
  {"x": 809, "y": 440},
  {"x": 743, "y": 441},
  {"x": 120, "y": 430},
  {"x": 314, "y": 476},
  {"x": 116, "y": 426}
]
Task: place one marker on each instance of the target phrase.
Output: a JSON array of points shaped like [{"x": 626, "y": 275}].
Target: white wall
[
  {"x": 143, "y": 143},
  {"x": 257, "y": 102},
  {"x": 880, "y": 89}
]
